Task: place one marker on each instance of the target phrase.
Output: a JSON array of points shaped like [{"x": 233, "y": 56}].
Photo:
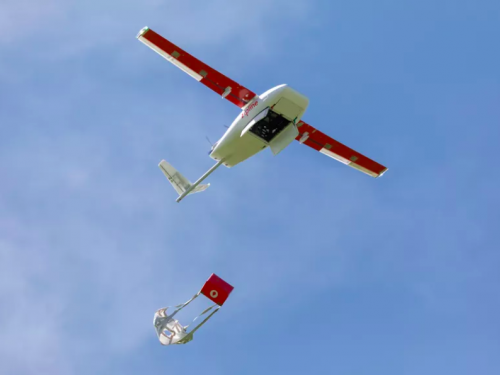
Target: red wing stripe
[
  {"x": 219, "y": 90},
  {"x": 330, "y": 147},
  {"x": 210, "y": 77},
  {"x": 313, "y": 144}
]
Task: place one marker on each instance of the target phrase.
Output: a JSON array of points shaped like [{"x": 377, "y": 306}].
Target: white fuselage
[{"x": 235, "y": 147}]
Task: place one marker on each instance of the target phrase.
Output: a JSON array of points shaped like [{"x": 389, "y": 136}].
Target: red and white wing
[
  {"x": 336, "y": 150},
  {"x": 200, "y": 71}
]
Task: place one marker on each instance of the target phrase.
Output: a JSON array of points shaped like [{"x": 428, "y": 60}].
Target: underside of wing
[
  {"x": 336, "y": 150},
  {"x": 200, "y": 71}
]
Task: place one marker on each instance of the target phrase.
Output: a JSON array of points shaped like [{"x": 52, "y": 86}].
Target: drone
[{"x": 270, "y": 120}]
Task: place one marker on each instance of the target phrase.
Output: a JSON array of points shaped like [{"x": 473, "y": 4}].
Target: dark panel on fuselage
[{"x": 270, "y": 126}]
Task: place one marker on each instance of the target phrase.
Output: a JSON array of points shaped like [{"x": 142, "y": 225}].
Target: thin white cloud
[
  {"x": 72, "y": 28},
  {"x": 22, "y": 18},
  {"x": 90, "y": 235}
]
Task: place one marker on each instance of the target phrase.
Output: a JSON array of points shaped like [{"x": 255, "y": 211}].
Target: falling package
[{"x": 170, "y": 331}]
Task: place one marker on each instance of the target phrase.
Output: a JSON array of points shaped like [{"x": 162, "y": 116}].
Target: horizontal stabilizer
[{"x": 180, "y": 183}]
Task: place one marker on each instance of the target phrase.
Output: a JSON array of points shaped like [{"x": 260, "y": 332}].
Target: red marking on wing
[
  {"x": 321, "y": 142},
  {"x": 211, "y": 78}
]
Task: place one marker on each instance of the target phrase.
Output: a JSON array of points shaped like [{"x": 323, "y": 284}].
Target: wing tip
[
  {"x": 382, "y": 173},
  {"x": 143, "y": 31}
]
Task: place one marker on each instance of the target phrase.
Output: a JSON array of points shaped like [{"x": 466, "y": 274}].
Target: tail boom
[{"x": 181, "y": 184}]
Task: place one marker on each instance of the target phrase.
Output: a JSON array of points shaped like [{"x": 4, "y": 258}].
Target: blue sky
[{"x": 334, "y": 272}]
